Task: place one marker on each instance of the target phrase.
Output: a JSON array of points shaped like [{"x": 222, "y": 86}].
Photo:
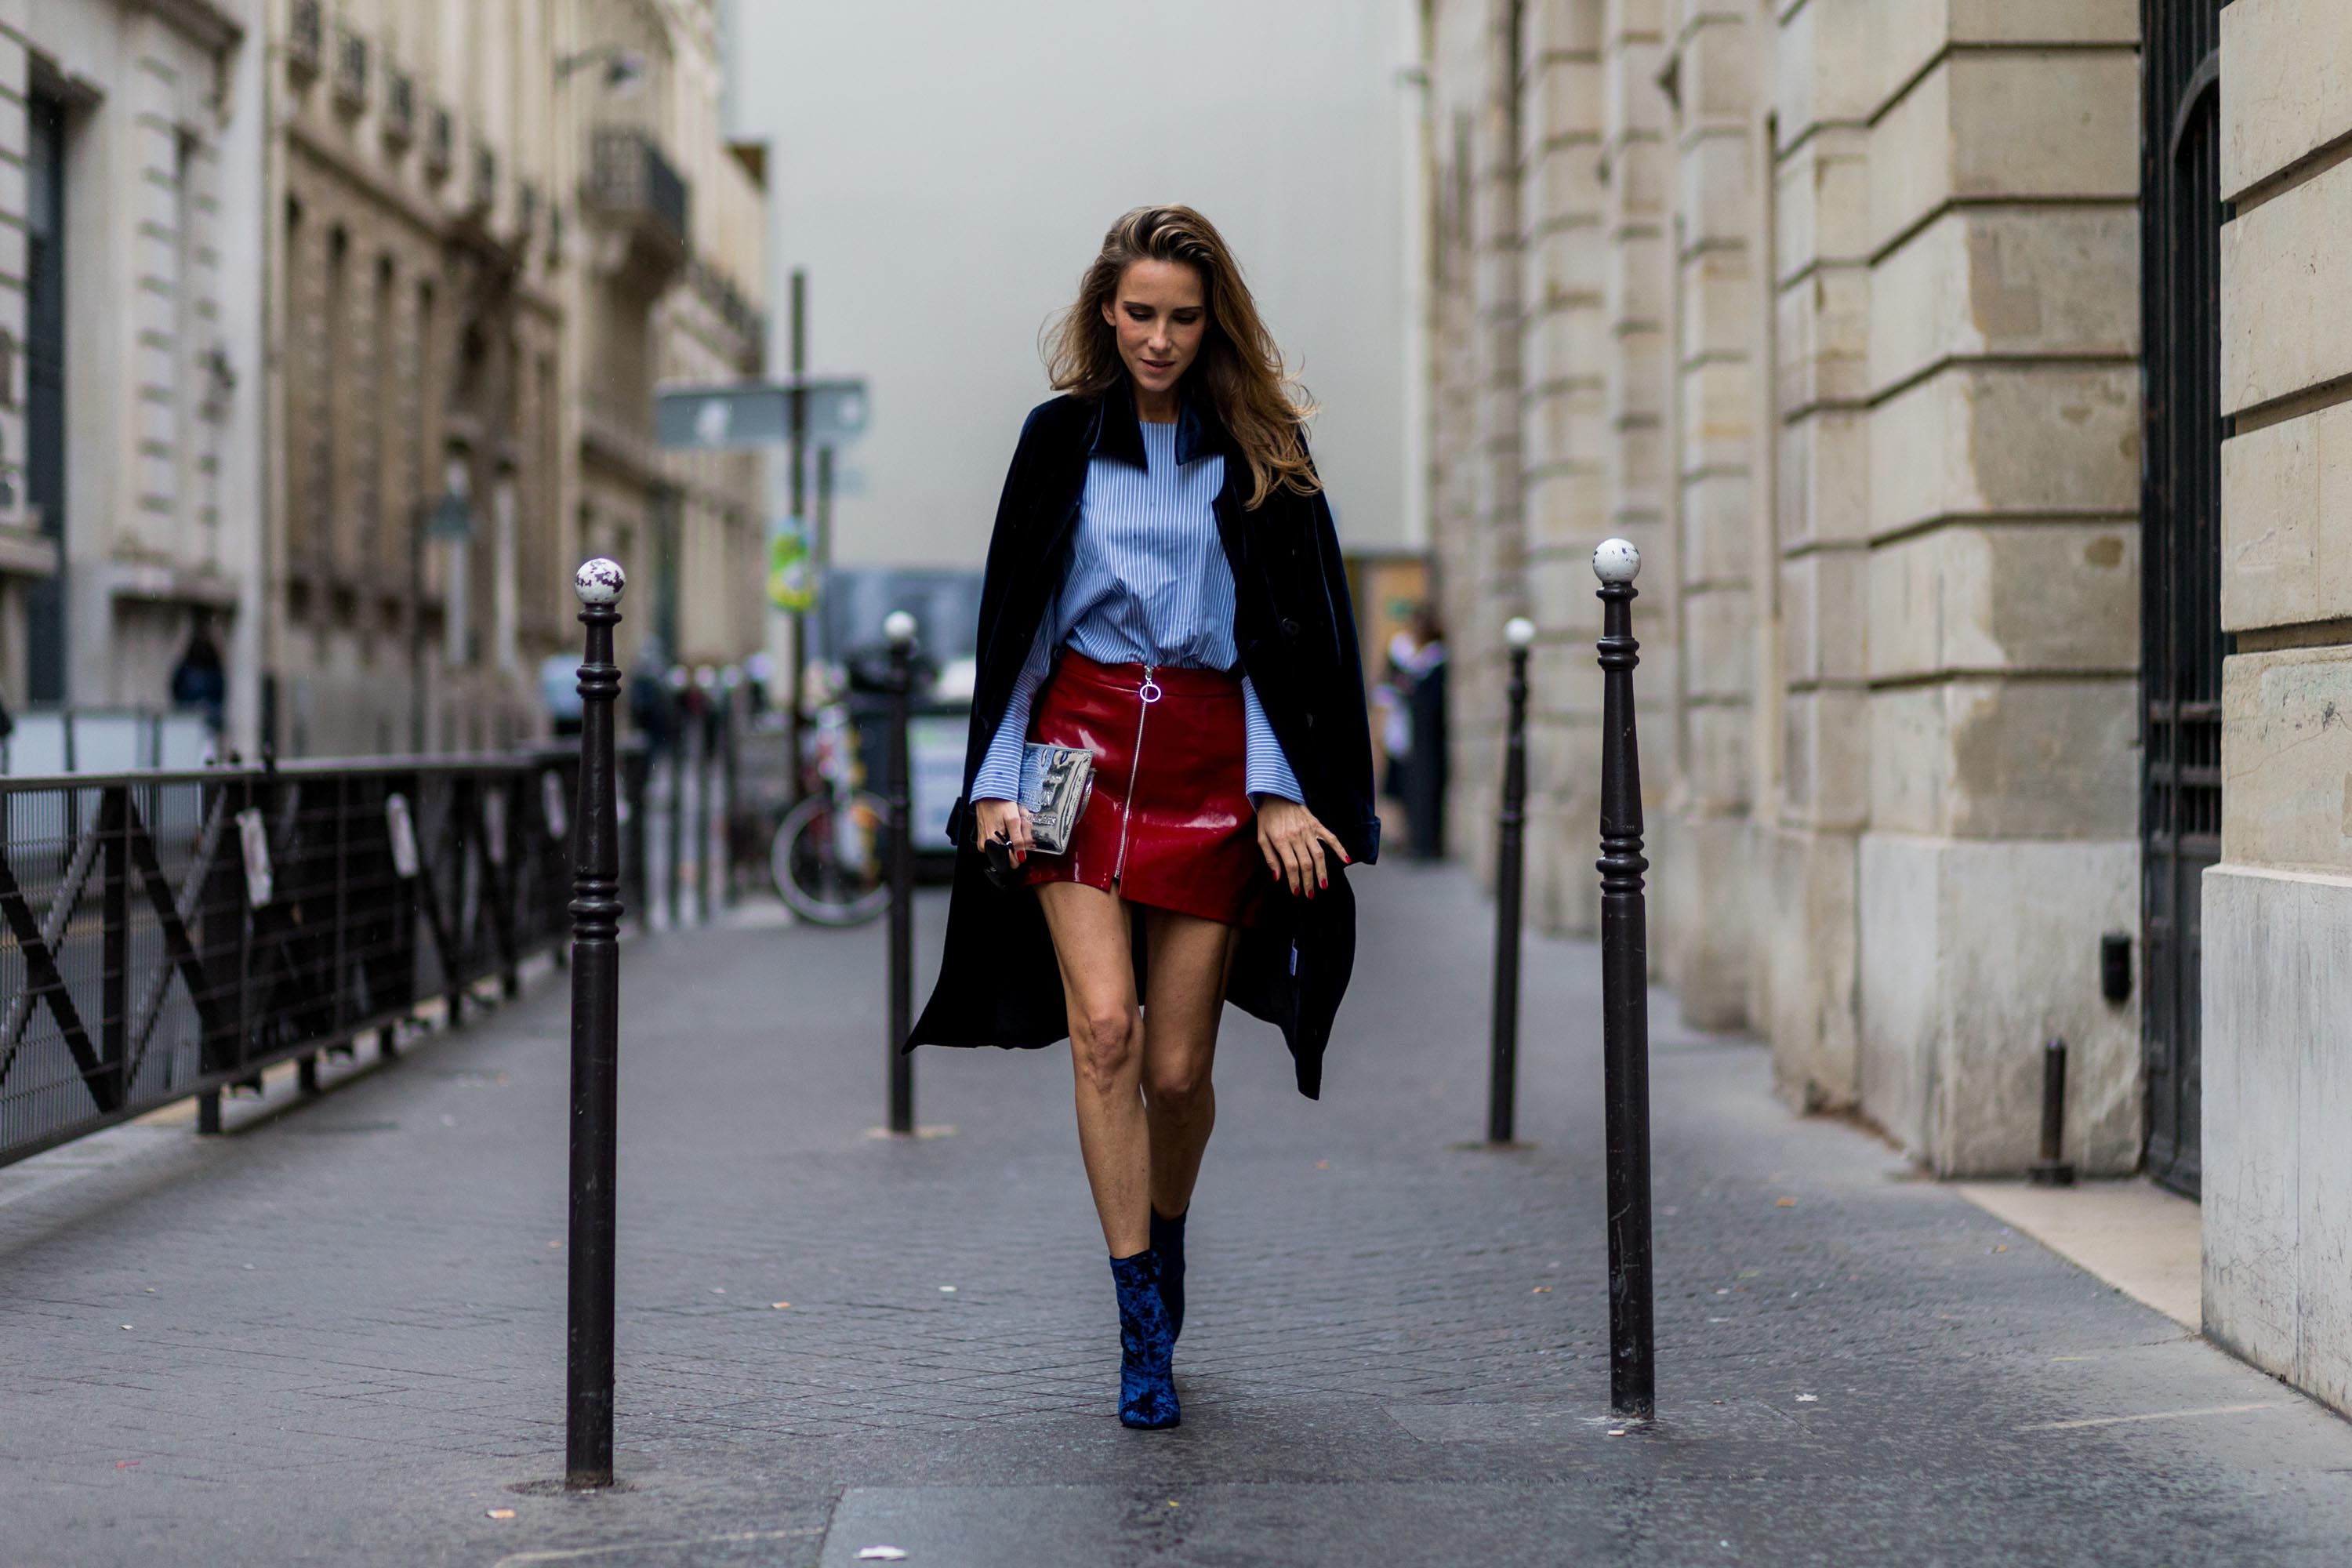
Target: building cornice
[{"x": 204, "y": 24}]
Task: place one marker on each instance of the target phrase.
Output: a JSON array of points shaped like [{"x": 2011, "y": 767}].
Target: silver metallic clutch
[{"x": 1055, "y": 782}]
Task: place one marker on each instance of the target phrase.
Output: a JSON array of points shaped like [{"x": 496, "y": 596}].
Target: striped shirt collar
[{"x": 1118, "y": 433}]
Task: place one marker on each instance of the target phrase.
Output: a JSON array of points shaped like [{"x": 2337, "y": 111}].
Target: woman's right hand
[{"x": 1004, "y": 819}]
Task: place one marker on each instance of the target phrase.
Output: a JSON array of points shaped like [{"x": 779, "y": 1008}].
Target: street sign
[{"x": 758, "y": 414}]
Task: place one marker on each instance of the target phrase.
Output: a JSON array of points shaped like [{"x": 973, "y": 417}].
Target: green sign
[{"x": 791, "y": 575}]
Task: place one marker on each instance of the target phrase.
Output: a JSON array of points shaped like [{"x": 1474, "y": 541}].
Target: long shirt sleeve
[
  {"x": 999, "y": 772},
  {"x": 1268, "y": 771}
]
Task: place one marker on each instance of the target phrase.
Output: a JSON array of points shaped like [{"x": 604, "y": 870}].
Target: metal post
[
  {"x": 115, "y": 922},
  {"x": 796, "y": 718},
  {"x": 706, "y": 680},
  {"x": 1502, "y": 1058},
  {"x": 638, "y": 783},
  {"x": 2052, "y": 1170},
  {"x": 729, "y": 684},
  {"x": 595, "y": 1044},
  {"x": 820, "y": 543},
  {"x": 1624, "y": 995},
  {"x": 675, "y": 828},
  {"x": 899, "y": 627}
]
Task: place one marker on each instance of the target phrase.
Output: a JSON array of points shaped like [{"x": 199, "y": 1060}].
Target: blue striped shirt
[{"x": 1148, "y": 584}]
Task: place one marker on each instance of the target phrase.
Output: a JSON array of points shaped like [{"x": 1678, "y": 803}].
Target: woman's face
[{"x": 1160, "y": 316}]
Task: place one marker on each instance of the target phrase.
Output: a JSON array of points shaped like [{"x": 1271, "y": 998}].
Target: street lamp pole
[{"x": 796, "y": 718}]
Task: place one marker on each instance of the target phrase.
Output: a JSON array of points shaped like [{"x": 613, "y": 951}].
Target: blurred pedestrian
[
  {"x": 559, "y": 691},
  {"x": 1417, "y": 670},
  {"x": 1216, "y": 685},
  {"x": 651, "y": 707},
  {"x": 200, "y": 681}
]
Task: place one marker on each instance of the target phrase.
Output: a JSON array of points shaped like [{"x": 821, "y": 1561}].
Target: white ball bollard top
[
  {"x": 898, "y": 627},
  {"x": 1519, "y": 631},
  {"x": 1616, "y": 561},
  {"x": 599, "y": 581}
]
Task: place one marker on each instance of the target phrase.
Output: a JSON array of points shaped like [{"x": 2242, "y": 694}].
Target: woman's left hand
[{"x": 1292, "y": 841}]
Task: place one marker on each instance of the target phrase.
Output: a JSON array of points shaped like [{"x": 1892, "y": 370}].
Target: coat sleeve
[
  {"x": 1350, "y": 734},
  {"x": 993, "y": 686}
]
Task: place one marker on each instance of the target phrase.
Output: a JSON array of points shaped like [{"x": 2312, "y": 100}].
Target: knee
[
  {"x": 1179, "y": 1088},
  {"x": 1105, "y": 1040}
]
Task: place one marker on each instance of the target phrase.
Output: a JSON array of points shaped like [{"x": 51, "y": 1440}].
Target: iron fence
[{"x": 170, "y": 933}]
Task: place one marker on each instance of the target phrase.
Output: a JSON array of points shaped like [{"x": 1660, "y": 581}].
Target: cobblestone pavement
[{"x": 339, "y": 1337}]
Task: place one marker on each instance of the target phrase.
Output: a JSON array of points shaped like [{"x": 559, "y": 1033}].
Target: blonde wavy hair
[{"x": 1256, "y": 397}]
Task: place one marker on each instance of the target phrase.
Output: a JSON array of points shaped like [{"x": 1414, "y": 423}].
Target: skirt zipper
[{"x": 1147, "y": 694}]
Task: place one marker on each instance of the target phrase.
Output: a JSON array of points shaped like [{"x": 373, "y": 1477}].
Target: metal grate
[{"x": 2181, "y": 642}]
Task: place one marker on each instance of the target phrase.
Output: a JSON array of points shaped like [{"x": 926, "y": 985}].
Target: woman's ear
[{"x": 1110, "y": 312}]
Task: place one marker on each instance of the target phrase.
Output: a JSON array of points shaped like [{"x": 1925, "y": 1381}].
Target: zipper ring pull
[{"x": 1150, "y": 690}]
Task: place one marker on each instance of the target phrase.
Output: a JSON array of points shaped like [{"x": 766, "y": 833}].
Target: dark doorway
[
  {"x": 45, "y": 388},
  {"x": 2181, "y": 641}
]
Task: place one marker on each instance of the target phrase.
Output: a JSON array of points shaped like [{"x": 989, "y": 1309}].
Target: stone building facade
[
  {"x": 131, "y": 428},
  {"x": 496, "y": 225},
  {"x": 1971, "y": 374},
  {"x": 2276, "y": 911},
  {"x": 1830, "y": 306}
]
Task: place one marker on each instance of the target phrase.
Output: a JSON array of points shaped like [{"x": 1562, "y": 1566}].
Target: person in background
[
  {"x": 200, "y": 681},
  {"x": 650, "y": 704},
  {"x": 559, "y": 687},
  {"x": 1417, "y": 672}
]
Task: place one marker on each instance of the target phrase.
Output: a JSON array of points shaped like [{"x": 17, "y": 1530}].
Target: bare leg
[
  {"x": 1091, "y": 942},
  {"x": 1191, "y": 958}
]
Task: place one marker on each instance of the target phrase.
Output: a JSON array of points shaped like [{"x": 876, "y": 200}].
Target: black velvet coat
[{"x": 1295, "y": 629}]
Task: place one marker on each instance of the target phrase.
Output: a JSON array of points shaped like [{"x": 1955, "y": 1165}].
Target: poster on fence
[
  {"x": 551, "y": 802},
  {"x": 253, "y": 834},
  {"x": 403, "y": 831},
  {"x": 494, "y": 823}
]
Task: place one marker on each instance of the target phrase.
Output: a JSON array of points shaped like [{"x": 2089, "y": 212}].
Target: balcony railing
[{"x": 631, "y": 182}]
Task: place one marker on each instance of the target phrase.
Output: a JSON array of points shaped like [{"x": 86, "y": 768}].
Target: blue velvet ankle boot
[
  {"x": 1146, "y": 1386},
  {"x": 1168, "y": 1241}
]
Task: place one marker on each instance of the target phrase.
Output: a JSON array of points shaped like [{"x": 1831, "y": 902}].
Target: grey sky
[{"x": 945, "y": 168}]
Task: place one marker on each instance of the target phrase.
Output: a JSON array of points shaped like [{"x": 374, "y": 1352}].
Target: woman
[{"x": 1164, "y": 589}]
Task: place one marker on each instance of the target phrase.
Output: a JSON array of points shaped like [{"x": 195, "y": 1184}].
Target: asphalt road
[{"x": 339, "y": 1338}]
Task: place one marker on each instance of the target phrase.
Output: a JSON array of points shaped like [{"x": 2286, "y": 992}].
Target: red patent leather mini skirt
[{"x": 1169, "y": 822}]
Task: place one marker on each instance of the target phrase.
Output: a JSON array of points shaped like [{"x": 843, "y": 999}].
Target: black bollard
[
  {"x": 1624, "y": 995},
  {"x": 2051, "y": 1171},
  {"x": 1510, "y": 858},
  {"x": 900, "y": 626},
  {"x": 673, "y": 872},
  {"x": 595, "y": 1044},
  {"x": 729, "y": 684}
]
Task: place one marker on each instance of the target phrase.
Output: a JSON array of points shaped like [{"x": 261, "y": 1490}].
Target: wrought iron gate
[{"x": 2181, "y": 641}]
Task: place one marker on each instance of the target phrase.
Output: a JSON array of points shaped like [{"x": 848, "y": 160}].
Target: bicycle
[{"x": 827, "y": 857}]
